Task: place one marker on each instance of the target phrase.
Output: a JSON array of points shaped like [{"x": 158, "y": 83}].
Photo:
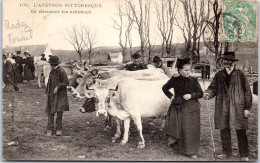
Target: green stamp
[{"x": 239, "y": 21}]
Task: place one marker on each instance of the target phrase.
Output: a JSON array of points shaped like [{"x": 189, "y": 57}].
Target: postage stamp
[{"x": 239, "y": 21}]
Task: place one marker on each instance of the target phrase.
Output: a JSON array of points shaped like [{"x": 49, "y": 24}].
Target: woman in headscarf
[{"x": 183, "y": 118}]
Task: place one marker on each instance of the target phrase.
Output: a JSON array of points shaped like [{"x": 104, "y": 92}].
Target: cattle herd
[{"x": 120, "y": 94}]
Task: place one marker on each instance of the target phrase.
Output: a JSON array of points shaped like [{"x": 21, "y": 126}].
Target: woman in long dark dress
[
  {"x": 183, "y": 118},
  {"x": 28, "y": 68}
]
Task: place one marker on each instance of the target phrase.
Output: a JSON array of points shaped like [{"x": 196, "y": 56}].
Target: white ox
[
  {"x": 151, "y": 73},
  {"x": 42, "y": 68},
  {"x": 132, "y": 98}
]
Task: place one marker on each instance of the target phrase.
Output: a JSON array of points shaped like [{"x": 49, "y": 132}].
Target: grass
[{"x": 84, "y": 137}]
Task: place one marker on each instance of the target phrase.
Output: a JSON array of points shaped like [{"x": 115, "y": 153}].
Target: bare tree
[
  {"x": 76, "y": 36},
  {"x": 124, "y": 25},
  {"x": 89, "y": 41},
  {"x": 212, "y": 30},
  {"x": 141, "y": 17},
  {"x": 166, "y": 15},
  {"x": 195, "y": 19}
]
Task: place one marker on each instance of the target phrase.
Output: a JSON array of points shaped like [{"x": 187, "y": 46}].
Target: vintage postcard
[{"x": 130, "y": 80}]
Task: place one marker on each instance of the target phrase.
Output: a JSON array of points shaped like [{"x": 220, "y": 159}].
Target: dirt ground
[{"x": 84, "y": 138}]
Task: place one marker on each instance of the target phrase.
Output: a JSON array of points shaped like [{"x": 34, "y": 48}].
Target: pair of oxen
[{"x": 126, "y": 95}]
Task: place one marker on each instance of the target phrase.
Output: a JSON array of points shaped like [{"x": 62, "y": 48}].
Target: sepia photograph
[{"x": 130, "y": 80}]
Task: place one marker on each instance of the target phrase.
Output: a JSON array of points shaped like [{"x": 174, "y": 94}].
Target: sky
[{"x": 22, "y": 26}]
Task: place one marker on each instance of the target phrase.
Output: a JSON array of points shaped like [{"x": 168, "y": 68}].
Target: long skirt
[
  {"x": 183, "y": 124},
  {"x": 19, "y": 73},
  {"x": 28, "y": 74}
]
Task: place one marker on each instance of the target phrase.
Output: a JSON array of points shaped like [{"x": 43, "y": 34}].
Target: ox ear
[
  {"x": 114, "y": 89},
  {"x": 89, "y": 93}
]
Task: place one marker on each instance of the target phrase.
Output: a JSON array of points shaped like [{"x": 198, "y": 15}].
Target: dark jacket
[
  {"x": 232, "y": 100},
  {"x": 183, "y": 117},
  {"x": 57, "y": 102},
  {"x": 136, "y": 66},
  {"x": 18, "y": 67}
]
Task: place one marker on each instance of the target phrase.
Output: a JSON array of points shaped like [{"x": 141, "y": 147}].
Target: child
[{"x": 57, "y": 98}]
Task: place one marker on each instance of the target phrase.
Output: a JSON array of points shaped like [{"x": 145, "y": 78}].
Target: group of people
[
  {"x": 21, "y": 70},
  {"x": 232, "y": 104},
  {"x": 233, "y": 100}
]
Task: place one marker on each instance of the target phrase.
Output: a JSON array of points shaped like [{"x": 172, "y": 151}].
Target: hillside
[{"x": 246, "y": 53}]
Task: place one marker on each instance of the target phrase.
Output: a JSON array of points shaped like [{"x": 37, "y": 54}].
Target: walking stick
[
  {"x": 210, "y": 125},
  {"x": 14, "y": 83}
]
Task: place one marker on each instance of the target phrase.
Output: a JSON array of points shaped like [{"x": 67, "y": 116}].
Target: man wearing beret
[
  {"x": 158, "y": 64},
  {"x": 136, "y": 65},
  {"x": 232, "y": 105},
  {"x": 57, "y": 98}
]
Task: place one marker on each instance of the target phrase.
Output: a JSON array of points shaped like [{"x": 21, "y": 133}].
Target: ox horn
[
  {"x": 114, "y": 89},
  {"x": 88, "y": 88}
]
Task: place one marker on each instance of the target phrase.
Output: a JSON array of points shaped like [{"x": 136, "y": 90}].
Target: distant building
[
  {"x": 116, "y": 57},
  {"x": 34, "y": 50}
]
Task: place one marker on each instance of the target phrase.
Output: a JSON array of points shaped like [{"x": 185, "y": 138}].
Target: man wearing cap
[
  {"x": 43, "y": 57},
  {"x": 158, "y": 64},
  {"x": 9, "y": 73},
  {"x": 232, "y": 105},
  {"x": 136, "y": 65},
  {"x": 57, "y": 98}
]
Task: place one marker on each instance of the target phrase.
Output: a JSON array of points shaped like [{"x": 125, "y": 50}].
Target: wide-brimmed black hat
[
  {"x": 42, "y": 54},
  {"x": 181, "y": 62},
  {"x": 136, "y": 56},
  {"x": 54, "y": 60},
  {"x": 156, "y": 59},
  {"x": 229, "y": 56}
]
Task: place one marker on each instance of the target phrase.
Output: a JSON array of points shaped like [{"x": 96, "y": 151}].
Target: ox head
[{"x": 99, "y": 94}]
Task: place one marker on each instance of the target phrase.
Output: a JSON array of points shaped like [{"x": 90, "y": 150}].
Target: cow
[
  {"x": 42, "y": 68},
  {"x": 151, "y": 73},
  {"x": 132, "y": 98}
]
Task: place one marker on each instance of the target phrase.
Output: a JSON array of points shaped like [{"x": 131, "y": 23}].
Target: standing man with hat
[
  {"x": 43, "y": 57},
  {"x": 57, "y": 98},
  {"x": 232, "y": 105},
  {"x": 136, "y": 64},
  {"x": 158, "y": 64}
]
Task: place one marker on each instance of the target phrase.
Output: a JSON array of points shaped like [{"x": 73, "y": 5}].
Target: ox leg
[
  {"x": 39, "y": 81},
  {"x": 118, "y": 131},
  {"x": 126, "y": 126},
  {"x": 139, "y": 126}
]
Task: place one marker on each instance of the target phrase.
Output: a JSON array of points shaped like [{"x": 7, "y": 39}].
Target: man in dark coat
[
  {"x": 9, "y": 76},
  {"x": 232, "y": 105},
  {"x": 57, "y": 98},
  {"x": 43, "y": 57},
  {"x": 207, "y": 70},
  {"x": 18, "y": 67},
  {"x": 136, "y": 64}
]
